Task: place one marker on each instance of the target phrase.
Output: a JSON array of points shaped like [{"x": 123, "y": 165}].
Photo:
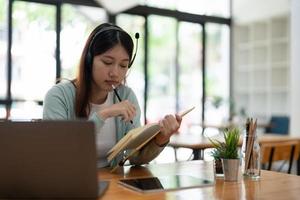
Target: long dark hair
[{"x": 101, "y": 39}]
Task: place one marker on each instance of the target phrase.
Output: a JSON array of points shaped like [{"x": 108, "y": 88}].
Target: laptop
[{"x": 49, "y": 159}]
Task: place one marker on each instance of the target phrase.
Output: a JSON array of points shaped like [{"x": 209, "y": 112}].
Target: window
[
  {"x": 217, "y": 74},
  {"x": 190, "y": 71},
  {"x": 27, "y": 110},
  {"x": 33, "y": 56},
  {"x": 33, "y": 50},
  {"x": 162, "y": 52},
  {"x": 77, "y": 24},
  {"x": 3, "y": 50},
  {"x": 167, "y": 75},
  {"x": 2, "y": 112},
  {"x": 136, "y": 74}
]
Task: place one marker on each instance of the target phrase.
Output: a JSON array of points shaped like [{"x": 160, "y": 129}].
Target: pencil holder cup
[{"x": 251, "y": 156}]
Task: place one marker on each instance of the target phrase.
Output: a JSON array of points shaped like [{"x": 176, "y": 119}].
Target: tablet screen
[{"x": 165, "y": 183}]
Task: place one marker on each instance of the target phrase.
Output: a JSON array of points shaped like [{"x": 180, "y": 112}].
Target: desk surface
[{"x": 272, "y": 185}]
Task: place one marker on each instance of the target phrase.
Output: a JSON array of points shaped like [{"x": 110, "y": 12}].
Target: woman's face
[{"x": 110, "y": 68}]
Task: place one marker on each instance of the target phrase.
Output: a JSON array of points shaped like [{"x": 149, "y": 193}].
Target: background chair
[
  {"x": 278, "y": 125},
  {"x": 279, "y": 151}
]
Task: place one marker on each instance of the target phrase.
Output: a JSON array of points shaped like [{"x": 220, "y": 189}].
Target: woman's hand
[
  {"x": 125, "y": 109},
  {"x": 168, "y": 126}
]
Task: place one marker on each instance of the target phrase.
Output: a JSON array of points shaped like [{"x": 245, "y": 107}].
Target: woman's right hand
[{"x": 125, "y": 109}]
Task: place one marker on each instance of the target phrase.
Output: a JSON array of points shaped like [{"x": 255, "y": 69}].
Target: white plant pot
[{"x": 231, "y": 169}]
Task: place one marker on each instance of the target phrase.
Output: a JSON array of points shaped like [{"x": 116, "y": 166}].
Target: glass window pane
[
  {"x": 33, "y": 50},
  {"x": 77, "y": 24},
  {"x": 26, "y": 111},
  {"x": 136, "y": 76},
  {"x": 190, "y": 72},
  {"x": 2, "y": 112},
  {"x": 162, "y": 51},
  {"x": 3, "y": 48},
  {"x": 217, "y": 73}
]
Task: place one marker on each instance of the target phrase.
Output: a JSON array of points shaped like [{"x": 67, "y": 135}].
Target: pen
[{"x": 119, "y": 98}]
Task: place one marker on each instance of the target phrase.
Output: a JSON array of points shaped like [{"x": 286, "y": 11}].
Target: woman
[{"x": 104, "y": 63}]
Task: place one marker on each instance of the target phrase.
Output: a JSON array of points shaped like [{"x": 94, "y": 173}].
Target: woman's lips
[{"x": 115, "y": 83}]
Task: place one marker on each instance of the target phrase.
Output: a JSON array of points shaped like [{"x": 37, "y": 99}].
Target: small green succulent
[{"x": 229, "y": 148}]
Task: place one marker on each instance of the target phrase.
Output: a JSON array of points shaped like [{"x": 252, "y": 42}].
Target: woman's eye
[
  {"x": 123, "y": 66},
  {"x": 107, "y": 62}
]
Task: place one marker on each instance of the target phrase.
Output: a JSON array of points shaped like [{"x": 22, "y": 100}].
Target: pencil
[{"x": 118, "y": 96}]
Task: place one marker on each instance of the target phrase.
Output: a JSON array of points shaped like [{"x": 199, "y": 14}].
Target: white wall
[
  {"x": 295, "y": 68},
  {"x": 245, "y": 11}
]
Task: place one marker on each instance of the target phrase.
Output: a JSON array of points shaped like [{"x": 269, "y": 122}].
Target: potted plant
[{"x": 228, "y": 152}]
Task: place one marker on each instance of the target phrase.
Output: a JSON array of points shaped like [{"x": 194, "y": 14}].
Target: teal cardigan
[{"x": 59, "y": 104}]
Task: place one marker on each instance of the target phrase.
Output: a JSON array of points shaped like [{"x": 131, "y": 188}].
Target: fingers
[
  {"x": 131, "y": 109},
  {"x": 127, "y": 110},
  {"x": 178, "y": 118},
  {"x": 170, "y": 124}
]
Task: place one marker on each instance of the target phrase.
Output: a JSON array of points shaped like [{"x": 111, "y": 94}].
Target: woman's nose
[{"x": 114, "y": 70}]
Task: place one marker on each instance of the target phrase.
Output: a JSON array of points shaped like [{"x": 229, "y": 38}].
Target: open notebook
[{"x": 135, "y": 139}]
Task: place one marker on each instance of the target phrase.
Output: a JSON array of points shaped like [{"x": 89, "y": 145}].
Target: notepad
[{"x": 137, "y": 138}]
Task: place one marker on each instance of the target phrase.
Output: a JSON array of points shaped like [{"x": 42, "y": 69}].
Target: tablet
[{"x": 174, "y": 182}]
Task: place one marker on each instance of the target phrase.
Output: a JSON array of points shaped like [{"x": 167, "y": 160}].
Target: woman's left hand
[{"x": 168, "y": 126}]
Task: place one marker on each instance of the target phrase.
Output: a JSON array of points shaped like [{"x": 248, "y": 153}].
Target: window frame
[{"x": 143, "y": 11}]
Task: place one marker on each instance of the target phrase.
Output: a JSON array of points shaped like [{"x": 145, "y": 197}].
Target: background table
[{"x": 198, "y": 142}]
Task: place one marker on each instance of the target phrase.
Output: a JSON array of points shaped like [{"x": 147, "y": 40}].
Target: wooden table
[
  {"x": 226, "y": 125},
  {"x": 198, "y": 142},
  {"x": 272, "y": 185}
]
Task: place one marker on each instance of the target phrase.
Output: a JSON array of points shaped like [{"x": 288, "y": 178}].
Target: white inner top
[{"x": 106, "y": 136}]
